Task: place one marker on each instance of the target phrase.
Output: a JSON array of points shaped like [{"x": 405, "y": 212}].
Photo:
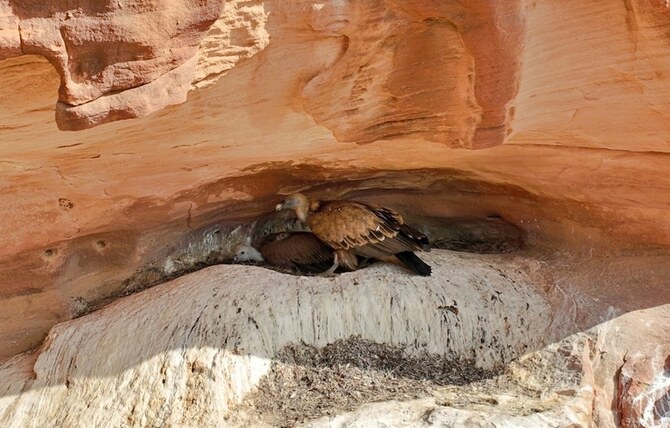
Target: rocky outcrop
[
  {"x": 365, "y": 55},
  {"x": 208, "y": 338},
  {"x": 643, "y": 385},
  {"x": 10, "y": 38},
  {"x": 524, "y": 126},
  {"x": 207, "y": 349},
  {"x": 116, "y": 60},
  {"x": 382, "y": 61},
  {"x": 114, "y": 203}
]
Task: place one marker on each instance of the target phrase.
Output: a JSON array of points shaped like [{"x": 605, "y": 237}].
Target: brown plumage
[
  {"x": 294, "y": 250},
  {"x": 362, "y": 229},
  {"x": 297, "y": 250}
]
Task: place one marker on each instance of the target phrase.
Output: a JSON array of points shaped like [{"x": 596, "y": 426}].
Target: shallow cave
[
  {"x": 501, "y": 328},
  {"x": 536, "y": 168}
]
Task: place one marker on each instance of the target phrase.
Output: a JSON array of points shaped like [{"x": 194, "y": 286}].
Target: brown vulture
[
  {"x": 364, "y": 230},
  {"x": 300, "y": 251}
]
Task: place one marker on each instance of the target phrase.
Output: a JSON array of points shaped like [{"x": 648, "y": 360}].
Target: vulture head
[
  {"x": 296, "y": 202},
  {"x": 247, "y": 253}
]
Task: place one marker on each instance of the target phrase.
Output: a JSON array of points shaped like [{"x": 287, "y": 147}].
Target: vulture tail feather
[
  {"x": 414, "y": 263},
  {"x": 415, "y": 236}
]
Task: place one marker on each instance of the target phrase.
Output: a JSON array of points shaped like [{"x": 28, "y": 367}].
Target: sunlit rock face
[
  {"x": 540, "y": 121},
  {"x": 367, "y": 61},
  {"x": 116, "y": 59}
]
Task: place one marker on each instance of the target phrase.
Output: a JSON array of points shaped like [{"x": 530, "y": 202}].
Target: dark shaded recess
[{"x": 476, "y": 235}]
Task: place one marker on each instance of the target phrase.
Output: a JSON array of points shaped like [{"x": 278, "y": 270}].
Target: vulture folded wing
[
  {"x": 410, "y": 238},
  {"x": 297, "y": 250},
  {"x": 368, "y": 231},
  {"x": 346, "y": 225},
  {"x": 388, "y": 215}
]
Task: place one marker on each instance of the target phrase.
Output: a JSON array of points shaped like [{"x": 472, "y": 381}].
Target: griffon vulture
[
  {"x": 364, "y": 230},
  {"x": 301, "y": 251}
]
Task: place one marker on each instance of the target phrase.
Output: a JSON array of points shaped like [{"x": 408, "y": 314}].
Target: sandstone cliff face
[
  {"x": 110, "y": 67},
  {"x": 552, "y": 116}
]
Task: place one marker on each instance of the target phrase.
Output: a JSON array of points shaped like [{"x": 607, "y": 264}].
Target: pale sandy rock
[
  {"x": 426, "y": 413},
  {"x": 239, "y": 33},
  {"x": 167, "y": 89},
  {"x": 644, "y": 389},
  {"x": 192, "y": 351},
  {"x": 186, "y": 351},
  {"x": 632, "y": 370},
  {"x": 551, "y": 387}
]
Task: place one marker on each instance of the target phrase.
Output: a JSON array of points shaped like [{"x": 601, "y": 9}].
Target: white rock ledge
[{"x": 185, "y": 352}]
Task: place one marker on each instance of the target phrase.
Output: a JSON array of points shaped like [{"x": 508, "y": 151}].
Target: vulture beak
[{"x": 284, "y": 204}]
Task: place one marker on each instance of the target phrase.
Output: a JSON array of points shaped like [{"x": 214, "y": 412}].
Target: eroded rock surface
[
  {"x": 220, "y": 346},
  {"x": 566, "y": 104},
  {"x": 187, "y": 351},
  {"x": 116, "y": 60}
]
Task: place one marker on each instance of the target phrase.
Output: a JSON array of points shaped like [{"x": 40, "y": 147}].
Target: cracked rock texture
[{"x": 191, "y": 352}]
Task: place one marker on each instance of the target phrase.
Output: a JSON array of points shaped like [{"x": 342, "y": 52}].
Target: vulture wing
[
  {"x": 366, "y": 230},
  {"x": 297, "y": 250}
]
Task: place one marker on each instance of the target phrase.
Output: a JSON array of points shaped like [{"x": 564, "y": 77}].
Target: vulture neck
[
  {"x": 302, "y": 212},
  {"x": 303, "y": 207}
]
